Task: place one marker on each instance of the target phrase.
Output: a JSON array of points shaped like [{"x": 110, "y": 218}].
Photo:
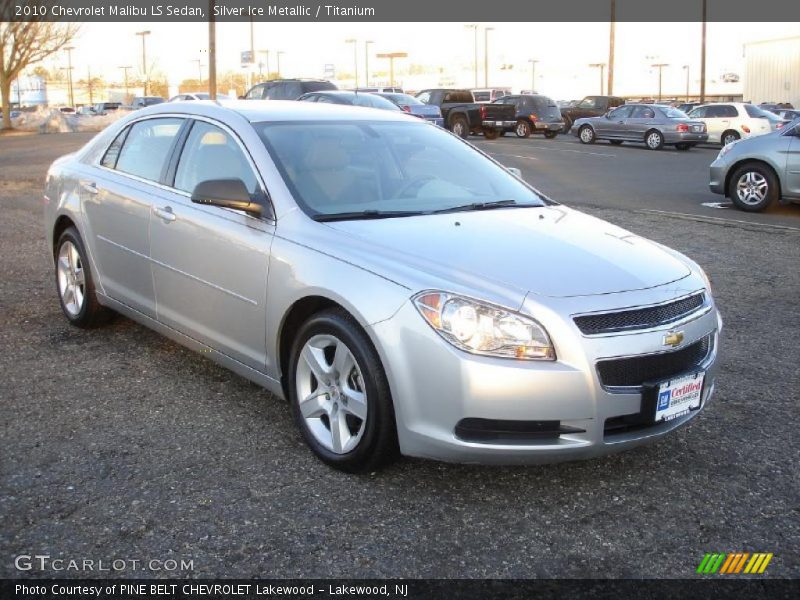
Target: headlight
[
  {"x": 727, "y": 148},
  {"x": 483, "y": 328}
]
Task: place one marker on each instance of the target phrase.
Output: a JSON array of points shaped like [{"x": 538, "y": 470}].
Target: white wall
[{"x": 772, "y": 71}]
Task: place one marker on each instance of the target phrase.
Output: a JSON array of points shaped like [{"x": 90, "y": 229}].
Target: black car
[
  {"x": 364, "y": 99},
  {"x": 590, "y": 106},
  {"x": 463, "y": 116},
  {"x": 286, "y": 89},
  {"x": 535, "y": 114}
]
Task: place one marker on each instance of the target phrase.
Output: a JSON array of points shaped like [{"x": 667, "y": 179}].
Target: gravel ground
[{"x": 119, "y": 444}]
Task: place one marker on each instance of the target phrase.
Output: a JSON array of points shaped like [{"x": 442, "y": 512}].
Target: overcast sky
[{"x": 564, "y": 50}]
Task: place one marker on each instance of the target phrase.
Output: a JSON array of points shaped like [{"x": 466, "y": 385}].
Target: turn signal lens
[
  {"x": 483, "y": 328},
  {"x": 745, "y": 128}
]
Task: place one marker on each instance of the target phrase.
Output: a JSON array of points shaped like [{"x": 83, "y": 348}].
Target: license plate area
[{"x": 672, "y": 398}]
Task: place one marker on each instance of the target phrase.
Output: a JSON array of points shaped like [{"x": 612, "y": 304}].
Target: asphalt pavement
[{"x": 119, "y": 444}]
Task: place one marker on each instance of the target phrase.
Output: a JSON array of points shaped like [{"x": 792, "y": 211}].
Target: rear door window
[
  {"x": 257, "y": 93},
  {"x": 147, "y": 147},
  {"x": 642, "y": 112}
]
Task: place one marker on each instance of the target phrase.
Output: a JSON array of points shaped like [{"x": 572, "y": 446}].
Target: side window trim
[
  {"x": 122, "y": 136},
  {"x": 168, "y": 174}
]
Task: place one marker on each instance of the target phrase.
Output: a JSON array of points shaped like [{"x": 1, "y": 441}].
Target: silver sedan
[
  {"x": 402, "y": 290},
  {"x": 653, "y": 125}
]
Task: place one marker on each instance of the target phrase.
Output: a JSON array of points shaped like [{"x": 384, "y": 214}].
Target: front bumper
[
  {"x": 717, "y": 173},
  {"x": 435, "y": 387},
  {"x": 498, "y": 124}
]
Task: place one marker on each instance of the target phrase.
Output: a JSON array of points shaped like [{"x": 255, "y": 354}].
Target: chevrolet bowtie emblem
[{"x": 673, "y": 338}]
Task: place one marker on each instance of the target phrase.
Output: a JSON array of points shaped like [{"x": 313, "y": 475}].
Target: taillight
[
  {"x": 682, "y": 127},
  {"x": 405, "y": 107},
  {"x": 483, "y": 112},
  {"x": 779, "y": 126},
  {"x": 745, "y": 128}
]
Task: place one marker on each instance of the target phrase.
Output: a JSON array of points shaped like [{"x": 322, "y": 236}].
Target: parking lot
[{"x": 119, "y": 444}]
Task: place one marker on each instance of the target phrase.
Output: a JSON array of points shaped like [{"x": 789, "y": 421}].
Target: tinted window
[
  {"x": 642, "y": 112},
  {"x": 211, "y": 153},
  {"x": 699, "y": 112},
  {"x": 479, "y": 97},
  {"x": 722, "y": 111},
  {"x": 623, "y": 112},
  {"x": 458, "y": 97},
  {"x": 147, "y": 147},
  {"x": 673, "y": 113},
  {"x": 758, "y": 113},
  {"x": 338, "y": 167},
  {"x": 257, "y": 93},
  {"x": 404, "y": 99},
  {"x": 318, "y": 86},
  {"x": 589, "y": 102}
]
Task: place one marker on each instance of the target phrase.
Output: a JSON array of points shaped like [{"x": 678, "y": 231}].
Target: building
[{"x": 772, "y": 71}]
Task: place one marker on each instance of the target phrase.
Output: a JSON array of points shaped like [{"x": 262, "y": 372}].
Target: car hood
[{"x": 551, "y": 251}]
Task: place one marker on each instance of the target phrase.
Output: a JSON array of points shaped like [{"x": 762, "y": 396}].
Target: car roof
[{"x": 256, "y": 111}]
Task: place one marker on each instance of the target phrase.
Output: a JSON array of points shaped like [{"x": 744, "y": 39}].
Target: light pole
[
  {"x": 703, "y": 58},
  {"x": 366, "y": 61},
  {"x": 612, "y": 32},
  {"x": 125, "y": 69},
  {"x": 602, "y": 67},
  {"x": 69, "y": 50},
  {"x": 144, "y": 34},
  {"x": 486, "y": 31},
  {"x": 686, "y": 68},
  {"x": 391, "y": 56},
  {"x": 533, "y": 62},
  {"x": 660, "y": 67},
  {"x": 278, "y": 58},
  {"x": 474, "y": 27},
  {"x": 354, "y": 41}
]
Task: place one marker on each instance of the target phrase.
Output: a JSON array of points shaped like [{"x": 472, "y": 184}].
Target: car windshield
[{"x": 360, "y": 167}]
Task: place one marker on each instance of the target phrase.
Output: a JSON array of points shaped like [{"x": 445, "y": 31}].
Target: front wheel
[
  {"x": 587, "y": 135},
  {"x": 339, "y": 394},
  {"x": 522, "y": 129},
  {"x": 753, "y": 187},
  {"x": 75, "y": 283},
  {"x": 654, "y": 140},
  {"x": 729, "y": 137},
  {"x": 459, "y": 126}
]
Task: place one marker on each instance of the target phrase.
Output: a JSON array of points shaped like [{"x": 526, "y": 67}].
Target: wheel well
[
  {"x": 746, "y": 161},
  {"x": 297, "y": 315},
  {"x": 651, "y": 130},
  {"x": 62, "y": 223}
]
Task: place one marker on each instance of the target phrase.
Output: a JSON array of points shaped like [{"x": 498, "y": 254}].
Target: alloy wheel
[
  {"x": 654, "y": 140},
  {"x": 752, "y": 188},
  {"x": 331, "y": 393},
  {"x": 71, "y": 278},
  {"x": 587, "y": 135}
]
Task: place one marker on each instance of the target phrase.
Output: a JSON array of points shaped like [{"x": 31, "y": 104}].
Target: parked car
[
  {"x": 590, "y": 106},
  {"x": 197, "y": 96},
  {"x": 66, "y": 110},
  {"x": 86, "y": 111},
  {"x": 489, "y": 94},
  {"x": 787, "y": 114},
  {"x": 329, "y": 255},
  {"x": 727, "y": 122},
  {"x": 287, "y": 89},
  {"x": 103, "y": 108},
  {"x": 759, "y": 171},
  {"x": 462, "y": 116},
  {"x": 653, "y": 125},
  {"x": 412, "y": 106},
  {"x": 535, "y": 114},
  {"x": 142, "y": 101},
  {"x": 687, "y": 106},
  {"x": 364, "y": 99},
  {"x": 382, "y": 90}
]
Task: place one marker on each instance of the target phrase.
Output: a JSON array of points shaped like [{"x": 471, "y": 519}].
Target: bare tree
[{"x": 23, "y": 44}]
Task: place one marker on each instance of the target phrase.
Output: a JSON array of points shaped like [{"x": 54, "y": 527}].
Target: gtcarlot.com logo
[{"x": 734, "y": 563}]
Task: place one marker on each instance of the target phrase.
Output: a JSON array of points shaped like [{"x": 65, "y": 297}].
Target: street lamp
[
  {"x": 354, "y": 41},
  {"x": 278, "y": 57},
  {"x": 366, "y": 61},
  {"x": 474, "y": 27},
  {"x": 144, "y": 34},
  {"x": 533, "y": 62},
  {"x": 602, "y": 67},
  {"x": 125, "y": 69},
  {"x": 660, "y": 67},
  {"x": 69, "y": 50},
  {"x": 686, "y": 68},
  {"x": 486, "y": 55}
]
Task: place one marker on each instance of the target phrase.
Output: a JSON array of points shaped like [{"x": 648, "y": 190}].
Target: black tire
[
  {"x": 459, "y": 126},
  {"x": 683, "y": 147},
  {"x": 378, "y": 444},
  {"x": 729, "y": 137},
  {"x": 616, "y": 142},
  {"x": 756, "y": 170},
  {"x": 490, "y": 133},
  {"x": 522, "y": 129},
  {"x": 91, "y": 313},
  {"x": 587, "y": 135},
  {"x": 550, "y": 134},
  {"x": 654, "y": 139},
  {"x": 567, "y": 125},
  {"x": 503, "y": 133}
]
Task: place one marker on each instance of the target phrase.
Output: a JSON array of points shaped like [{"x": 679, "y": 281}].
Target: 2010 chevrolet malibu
[{"x": 402, "y": 290}]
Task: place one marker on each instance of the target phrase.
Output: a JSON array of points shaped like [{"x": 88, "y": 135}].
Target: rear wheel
[
  {"x": 490, "y": 133},
  {"x": 587, "y": 135},
  {"x": 75, "y": 283},
  {"x": 550, "y": 134},
  {"x": 522, "y": 129},
  {"x": 339, "y": 394},
  {"x": 459, "y": 126},
  {"x": 753, "y": 187},
  {"x": 729, "y": 137},
  {"x": 654, "y": 140}
]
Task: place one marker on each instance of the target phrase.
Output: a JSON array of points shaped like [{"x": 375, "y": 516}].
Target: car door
[
  {"x": 791, "y": 182},
  {"x": 706, "y": 115},
  {"x": 117, "y": 196},
  {"x": 718, "y": 120},
  {"x": 612, "y": 125},
  {"x": 210, "y": 263},
  {"x": 640, "y": 120}
]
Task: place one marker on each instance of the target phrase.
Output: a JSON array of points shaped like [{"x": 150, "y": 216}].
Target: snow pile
[{"x": 48, "y": 120}]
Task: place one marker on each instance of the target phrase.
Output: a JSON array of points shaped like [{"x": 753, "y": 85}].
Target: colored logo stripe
[{"x": 734, "y": 562}]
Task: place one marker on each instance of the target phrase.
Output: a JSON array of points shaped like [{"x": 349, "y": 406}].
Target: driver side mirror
[
  {"x": 515, "y": 172},
  {"x": 227, "y": 193}
]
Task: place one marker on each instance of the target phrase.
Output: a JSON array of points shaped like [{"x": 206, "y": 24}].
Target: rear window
[
  {"x": 318, "y": 86},
  {"x": 542, "y": 102},
  {"x": 674, "y": 113},
  {"x": 757, "y": 113},
  {"x": 403, "y": 99},
  {"x": 145, "y": 150},
  {"x": 482, "y": 96}
]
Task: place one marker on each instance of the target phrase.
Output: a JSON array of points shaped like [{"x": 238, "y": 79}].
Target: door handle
[
  {"x": 89, "y": 186},
  {"x": 165, "y": 213}
]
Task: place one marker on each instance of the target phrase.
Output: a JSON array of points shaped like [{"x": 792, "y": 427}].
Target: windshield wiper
[
  {"x": 366, "y": 214},
  {"x": 481, "y": 206}
]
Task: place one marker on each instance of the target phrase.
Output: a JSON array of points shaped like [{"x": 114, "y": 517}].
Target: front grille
[
  {"x": 640, "y": 318},
  {"x": 637, "y": 370}
]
